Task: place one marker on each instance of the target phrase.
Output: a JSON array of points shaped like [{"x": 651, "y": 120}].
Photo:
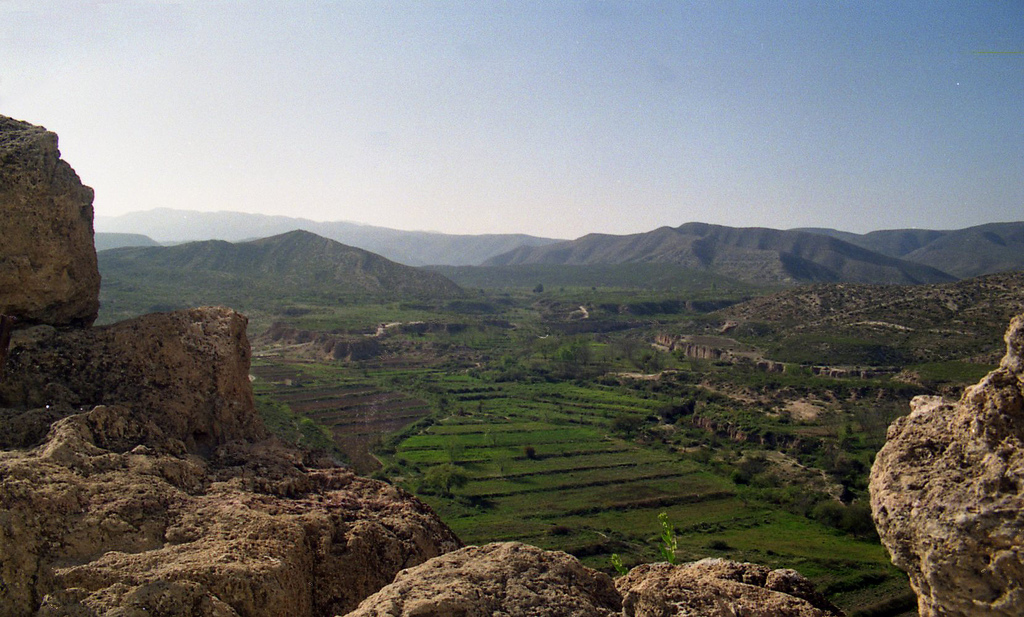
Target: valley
[{"x": 517, "y": 415}]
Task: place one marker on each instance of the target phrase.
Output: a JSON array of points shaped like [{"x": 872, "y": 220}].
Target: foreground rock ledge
[
  {"x": 947, "y": 493},
  {"x": 719, "y": 588},
  {"x": 155, "y": 491},
  {"x": 518, "y": 580},
  {"x": 48, "y": 271}
]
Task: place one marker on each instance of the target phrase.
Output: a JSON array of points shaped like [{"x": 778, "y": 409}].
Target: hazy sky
[{"x": 550, "y": 118}]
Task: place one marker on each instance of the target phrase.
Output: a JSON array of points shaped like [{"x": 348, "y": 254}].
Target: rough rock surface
[
  {"x": 947, "y": 493},
  {"x": 151, "y": 495},
  {"x": 48, "y": 271},
  {"x": 188, "y": 370},
  {"x": 506, "y": 578},
  {"x": 252, "y": 530},
  {"x": 719, "y": 588}
]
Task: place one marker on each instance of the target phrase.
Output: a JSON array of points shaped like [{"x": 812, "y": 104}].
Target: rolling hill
[
  {"x": 964, "y": 253},
  {"x": 295, "y": 262},
  {"x": 750, "y": 254},
  {"x": 886, "y": 324},
  {"x": 414, "y": 248}
]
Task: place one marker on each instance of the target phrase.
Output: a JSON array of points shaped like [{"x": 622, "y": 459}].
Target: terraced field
[
  {"x": 547, "y": 463},
  {"x": 357, "y": 413},
  {"x": 544, "y": 466}
]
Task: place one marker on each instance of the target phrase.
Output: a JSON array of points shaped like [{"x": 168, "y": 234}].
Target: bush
[{"x": 530, "y": 452}]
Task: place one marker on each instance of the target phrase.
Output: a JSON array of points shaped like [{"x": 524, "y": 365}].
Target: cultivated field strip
[{"x": 356, "y": 412}]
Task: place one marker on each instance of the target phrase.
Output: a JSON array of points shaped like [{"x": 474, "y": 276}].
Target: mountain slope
[
  {"x": 106, "y": 241},
  {"x": 964, "y": 319},
  {"x": 965, "y": 253},
  {"x": 415, "y": 248},
  {"x": 750, "y": 254},
  {"x": 297, "y": 261}
]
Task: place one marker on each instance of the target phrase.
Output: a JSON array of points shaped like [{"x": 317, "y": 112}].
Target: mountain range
[
  {"x": 964, "y": 253},
  {"x": 413, "y": 248},
  {"x": 759, "y": 255},
  {"x": 749, "y": 254}
]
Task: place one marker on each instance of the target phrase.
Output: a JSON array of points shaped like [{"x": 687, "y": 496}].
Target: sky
[{"x": 553, "y": 118}]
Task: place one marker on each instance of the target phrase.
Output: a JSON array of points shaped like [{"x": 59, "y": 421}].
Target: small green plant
[
  {"x": 669, "y": 543},
  {"x": 617, "y": 564}
]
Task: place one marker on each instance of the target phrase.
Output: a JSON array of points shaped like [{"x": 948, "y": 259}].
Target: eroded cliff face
[
  {"x": 188, "y": 370},
  {"x": 947, "y": 493},
  {"x": 48, "y": 271}
]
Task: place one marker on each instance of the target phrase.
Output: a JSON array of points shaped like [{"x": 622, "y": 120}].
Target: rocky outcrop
[
  {"x": 516, "y": 579},
  {"x": 48, "y": 271},
  {"x": 507, "y": 578},
  {"x": 947, "y": 493},
  {"x": 90, "y": 528},
  {"x": 188, "y": 370},
  {"x": 719, "y": 588},
  {"x": 156, "y": 490},
  {"x": 692, "y": 350}
]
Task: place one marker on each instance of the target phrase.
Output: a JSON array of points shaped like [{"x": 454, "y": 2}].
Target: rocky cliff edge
[
  {"x": 48, "y": 271},
  {"x": 947, "y": 493}
]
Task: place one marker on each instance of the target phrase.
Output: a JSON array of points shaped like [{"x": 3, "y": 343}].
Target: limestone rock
[
  {"x": 188, "y": 370},
  {"x": 506, "y": 578},
  {"x": 90, "y": 531},
  {"x": 947, "y": 494},
  {"x": 719, "y": 588},
  {"x": 48, "y": 271}
]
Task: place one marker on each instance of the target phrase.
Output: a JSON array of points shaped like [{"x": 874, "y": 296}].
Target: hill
[
  {"x": 750, "y": 254},
  {"x": 107, "y": 241},
  {"x": 294, "y": 267},
  {"x": 886, "y": 324},
  {"x": 964, "y": 253},
  {"x": 414, "y": 248}
]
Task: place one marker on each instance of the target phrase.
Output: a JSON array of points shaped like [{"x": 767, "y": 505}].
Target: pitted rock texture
[
  {"x": 48, "y": 271},
  {"x": 719, "y": 588},
  {"x": 508, "y": 578},
  {"x": 251, "y": 530},
  {"x": 947, "y": 494},
  {"x": 187, "y": 370}
]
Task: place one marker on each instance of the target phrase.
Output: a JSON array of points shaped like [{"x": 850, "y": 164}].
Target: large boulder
[
  {"x": 719, "y": 588},
  {"x": 947, "y": 493},
  {"x": 48, "y": 271},
  {"x": 188, "y": 370},
  {"x": 507, "y": 578}
]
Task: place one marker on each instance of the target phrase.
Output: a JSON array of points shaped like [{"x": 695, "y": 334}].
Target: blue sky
[{"x": 549, "y": 118}]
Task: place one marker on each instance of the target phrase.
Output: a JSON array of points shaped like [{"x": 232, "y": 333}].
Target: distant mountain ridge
[
  {"x": 964, "y": 253},
  {"x": 297, "y": 260},
  {"x": 751, "y": 254},
  {"x": 106, "y": 241},
  {"x": 413, "y": 248}
]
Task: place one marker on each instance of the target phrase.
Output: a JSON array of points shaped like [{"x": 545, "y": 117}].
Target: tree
[
  {"x": 539, "y": 288},
  {"x": 445, "y": 477}
]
